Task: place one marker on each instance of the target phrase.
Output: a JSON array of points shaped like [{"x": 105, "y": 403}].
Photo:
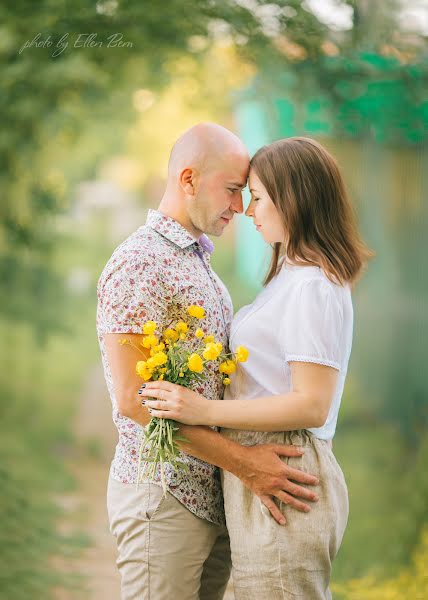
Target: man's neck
[{"x": 171, "y": 207}]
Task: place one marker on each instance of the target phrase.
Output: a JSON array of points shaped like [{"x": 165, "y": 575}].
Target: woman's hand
[{"x": 176, "y": 402}]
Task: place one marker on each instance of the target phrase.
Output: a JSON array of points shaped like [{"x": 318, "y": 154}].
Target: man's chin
[
  {"x": 216, "y": 232},
  {"x": 217, "y": 229}
]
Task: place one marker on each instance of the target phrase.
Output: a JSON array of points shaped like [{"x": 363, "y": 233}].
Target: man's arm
[{"x": 259, "y": 467}]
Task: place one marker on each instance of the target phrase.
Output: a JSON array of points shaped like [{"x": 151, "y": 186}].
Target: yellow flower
[
  {"x": 149, "y": 327},
  {"x": 196, "y": 311},
  {"x": 140, "y": 366},
  {"x": 182, "y": 336},
  {"x": 151, "y": 363},
  {"x": 142, "y": 370},
  {"x": 211, "y": 352},
  {"x": 195, "y": 363},
  {"x": 161, "y": 377},
  {"x": 226, "y": 381},
  {"x": 241, "y": 354},
  {"x": 181, "y": 374},
  {"x": 199, "y": 333},
  {"x": 170, "y": 335},
  {"x": 149, "y": 341},
  {"x": 182, "y": 327},
  {"x": 159, "y": 347},
  {"x": 164, "y": 370},
  {"x": 228, "y": 367},
  {"x": 160, "y": 358},
  {"x": 209, "y": 339}
]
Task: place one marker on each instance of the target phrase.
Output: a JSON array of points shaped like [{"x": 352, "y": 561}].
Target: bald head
[
  {"x": 202, "y": 147},
  {"x": 207, "y": 170}
]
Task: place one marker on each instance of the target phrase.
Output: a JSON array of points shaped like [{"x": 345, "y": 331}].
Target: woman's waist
[{"x": 298, "y": 437}]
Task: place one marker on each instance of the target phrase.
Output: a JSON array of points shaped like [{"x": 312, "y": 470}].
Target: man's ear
[{"x": 187, "y": 181}]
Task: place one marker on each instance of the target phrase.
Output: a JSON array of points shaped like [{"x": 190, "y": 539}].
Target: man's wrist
[{"x": 238, "y": 460}]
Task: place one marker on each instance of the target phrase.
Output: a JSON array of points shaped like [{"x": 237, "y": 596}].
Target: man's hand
[{"x": 264, "y": 473}]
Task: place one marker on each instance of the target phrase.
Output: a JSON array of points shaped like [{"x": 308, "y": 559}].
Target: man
[{"x": 177, "y": 546}]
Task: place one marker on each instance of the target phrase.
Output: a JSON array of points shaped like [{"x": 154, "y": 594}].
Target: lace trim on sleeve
[{"x": 312, "y": 359}]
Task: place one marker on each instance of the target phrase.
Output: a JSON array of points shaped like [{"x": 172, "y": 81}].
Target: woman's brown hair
[{"x": 304, "y": 182}]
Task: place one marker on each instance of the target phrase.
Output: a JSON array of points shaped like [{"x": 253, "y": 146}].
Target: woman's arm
[{"x": 307, "y": 405}]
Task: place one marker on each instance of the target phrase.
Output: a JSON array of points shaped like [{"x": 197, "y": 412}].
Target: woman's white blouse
[{"x": 299, "y": 316}]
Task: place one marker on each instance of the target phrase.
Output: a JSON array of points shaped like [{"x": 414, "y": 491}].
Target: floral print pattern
[{"x": 156, "y": 274}]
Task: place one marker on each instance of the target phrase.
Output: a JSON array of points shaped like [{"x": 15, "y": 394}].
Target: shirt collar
[{"x": 176, "y": 233}]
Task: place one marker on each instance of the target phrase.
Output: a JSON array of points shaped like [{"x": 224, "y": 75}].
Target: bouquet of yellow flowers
[{"x": 171, "y": 361}]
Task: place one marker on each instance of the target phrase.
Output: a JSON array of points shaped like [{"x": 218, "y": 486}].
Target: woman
[{"x": 299, "y": 335}]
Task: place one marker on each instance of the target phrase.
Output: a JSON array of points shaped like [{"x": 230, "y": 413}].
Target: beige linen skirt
[{"x": 292, "y": 561}]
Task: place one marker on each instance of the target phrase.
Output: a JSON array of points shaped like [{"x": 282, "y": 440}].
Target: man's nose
[{"x": 237, "y": 204}]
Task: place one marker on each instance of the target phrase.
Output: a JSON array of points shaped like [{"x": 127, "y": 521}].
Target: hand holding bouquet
[{"x": 171, "y": 361}]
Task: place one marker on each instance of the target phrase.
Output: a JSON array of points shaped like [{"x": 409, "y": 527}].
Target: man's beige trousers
[{"x": 165, "y": 552}]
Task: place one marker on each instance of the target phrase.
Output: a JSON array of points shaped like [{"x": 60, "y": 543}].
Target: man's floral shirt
[{"x": 155, "y": 275}]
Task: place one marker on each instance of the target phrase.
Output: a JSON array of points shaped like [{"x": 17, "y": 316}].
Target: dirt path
[{"x": 86, "y": 507}]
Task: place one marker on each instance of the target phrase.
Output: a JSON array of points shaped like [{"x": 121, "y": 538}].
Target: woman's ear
[{"x": 187, "y": 180}]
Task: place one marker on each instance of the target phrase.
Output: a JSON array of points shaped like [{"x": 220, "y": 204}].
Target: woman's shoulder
[
  {"x": 311, "y": 276},
  {"x": 311, "y": 286}
]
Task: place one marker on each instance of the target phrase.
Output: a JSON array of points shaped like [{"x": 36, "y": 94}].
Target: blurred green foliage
[
  {"x": 362, "y": 95},
  {"x": 409, "y": 581},
  {"x": 40, "y": 383},
  {"x": 47, "y": 96}
]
